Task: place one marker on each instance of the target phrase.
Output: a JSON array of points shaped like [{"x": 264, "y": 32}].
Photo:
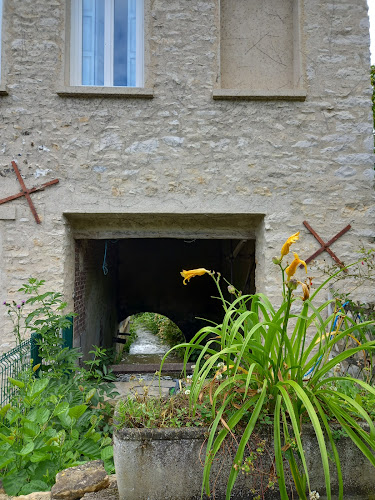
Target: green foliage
[
  {"x": 134, "y": 325},
  {"x": 98, "y": 369},
  {"x": 15, "y": 314},
  {"x": 57, "y": 417},
  {"x": 142, "y": 411},
  {"x": 45, "y": 321},
  {"x": 50, "y": 425},
  {"x": 270, "y": 368}
]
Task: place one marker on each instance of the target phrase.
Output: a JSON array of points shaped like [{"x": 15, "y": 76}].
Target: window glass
[
  {"x": 107, "y": 43},
  {"x": 120, "y": 43},
  {"x": 92, "y": 42}
]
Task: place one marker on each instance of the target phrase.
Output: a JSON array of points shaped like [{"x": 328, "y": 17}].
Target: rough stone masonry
[{"x": 263, "y": 115}]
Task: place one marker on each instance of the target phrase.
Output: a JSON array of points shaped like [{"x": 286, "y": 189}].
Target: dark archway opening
[{"x": 118, "y": 278}]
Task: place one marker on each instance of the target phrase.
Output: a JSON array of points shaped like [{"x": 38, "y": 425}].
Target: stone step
[
  {"x": 151, "y": 368},
  {"x": 149, "y": 387}
]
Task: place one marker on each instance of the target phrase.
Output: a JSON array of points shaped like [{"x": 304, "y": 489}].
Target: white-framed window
[{"x": 107, "y": 43}]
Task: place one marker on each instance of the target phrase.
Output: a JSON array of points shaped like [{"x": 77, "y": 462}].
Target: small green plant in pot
[{"x": 270, "y": 365}]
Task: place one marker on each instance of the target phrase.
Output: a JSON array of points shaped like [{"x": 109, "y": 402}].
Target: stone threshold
[{"x": 150, "y": 368}]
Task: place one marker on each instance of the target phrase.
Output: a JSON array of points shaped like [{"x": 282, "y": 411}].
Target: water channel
[{"x": 148, "y": 348}]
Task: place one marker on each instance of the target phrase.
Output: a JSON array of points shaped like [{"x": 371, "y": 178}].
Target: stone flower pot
[{"x": 166, "y": 464}]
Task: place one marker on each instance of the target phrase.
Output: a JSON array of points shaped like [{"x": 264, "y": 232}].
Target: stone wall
[{"x": 280, "y": 161}]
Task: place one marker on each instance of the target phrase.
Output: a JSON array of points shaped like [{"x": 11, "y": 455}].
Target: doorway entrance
[{"x": 117, "y": 278}]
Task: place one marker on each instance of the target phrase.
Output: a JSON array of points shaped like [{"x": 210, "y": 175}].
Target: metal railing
[
  {"x": 19, "y": 358},
  {"x": 13, "y": 362}
]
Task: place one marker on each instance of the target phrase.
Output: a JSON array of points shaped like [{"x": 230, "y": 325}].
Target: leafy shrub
[
  {"x": 58, "y": 416},
  {"x": 50, "y": 425}
]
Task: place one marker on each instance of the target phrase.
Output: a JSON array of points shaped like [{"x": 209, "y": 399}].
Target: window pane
[
  {"x": 93, "y": 42},
  {"x": 120, "y": 44},
  {"x": 132, "y": 43}
]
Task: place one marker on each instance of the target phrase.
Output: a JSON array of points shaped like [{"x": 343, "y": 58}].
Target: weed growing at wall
[{"x": 15, "y": 312}]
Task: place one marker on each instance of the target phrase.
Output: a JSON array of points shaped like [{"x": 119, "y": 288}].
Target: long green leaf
[
  {"x": 28, "y": 448},
  {"x": 363, "y": 413},
  {"x": 360, "y": 382},
  {"x": 296, "y": 428},
  {"x": 333, "y": 445},
  {"x": 318, "y": 375},
  {"x": 354, "y": 424},
  {"x": 299, "y": 480},
  {"x": 353, "y": 436},
  {"x": 245, "y": 439},
  {"x": 213, "y": 445},
  {"x": 318, "y": 431},
  {"x": 278, "y": 452}
]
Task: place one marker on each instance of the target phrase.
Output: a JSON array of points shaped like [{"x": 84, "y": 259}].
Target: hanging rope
[{"x": 105, "y": 266}]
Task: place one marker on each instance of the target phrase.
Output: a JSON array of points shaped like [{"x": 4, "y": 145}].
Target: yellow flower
[
  {"x": 286, "y": 247},
  {"x": 290, "y": 270},
  {"x": 187, "y": 275}
]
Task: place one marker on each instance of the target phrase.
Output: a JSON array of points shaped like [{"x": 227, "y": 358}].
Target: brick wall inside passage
[
  {"x": 79, "y": 292},
  {"x": 94, "y": 295}
]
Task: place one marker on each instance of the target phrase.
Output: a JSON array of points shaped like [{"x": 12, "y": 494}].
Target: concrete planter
[{"x": 164, "y": 464}]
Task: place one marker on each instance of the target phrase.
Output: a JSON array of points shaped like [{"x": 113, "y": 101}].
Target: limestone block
[
  {"x": 74, "y": 482},
  {"x": 110, "y": 493},
  {"x": 36, "y": 495},
  {"x": 7, "y": 213}
]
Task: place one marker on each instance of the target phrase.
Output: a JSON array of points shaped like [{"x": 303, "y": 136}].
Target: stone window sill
[
  {"x": 3, "y": 89},
  {"x": 260, "y": 95},
  {"x": 86, "y": 91}
]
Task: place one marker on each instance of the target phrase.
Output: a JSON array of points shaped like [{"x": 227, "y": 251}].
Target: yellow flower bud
[
  {"x": 286, "y": 247},
  {"x": 187, "y": 275},
  {"x": 292, "y": 268}
]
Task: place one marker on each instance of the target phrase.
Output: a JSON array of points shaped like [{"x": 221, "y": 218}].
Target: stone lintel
[
  {"x": 91, "y": 91},
  {"x": 260, "y": 95}
]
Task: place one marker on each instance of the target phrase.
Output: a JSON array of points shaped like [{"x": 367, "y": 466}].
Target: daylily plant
[{"x": 273, "y": 367}]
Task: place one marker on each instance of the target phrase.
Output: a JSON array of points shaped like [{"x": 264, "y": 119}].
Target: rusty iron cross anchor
[
  {"x": 325, "y": 246},
  {"x": 26, "y": 192}
]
